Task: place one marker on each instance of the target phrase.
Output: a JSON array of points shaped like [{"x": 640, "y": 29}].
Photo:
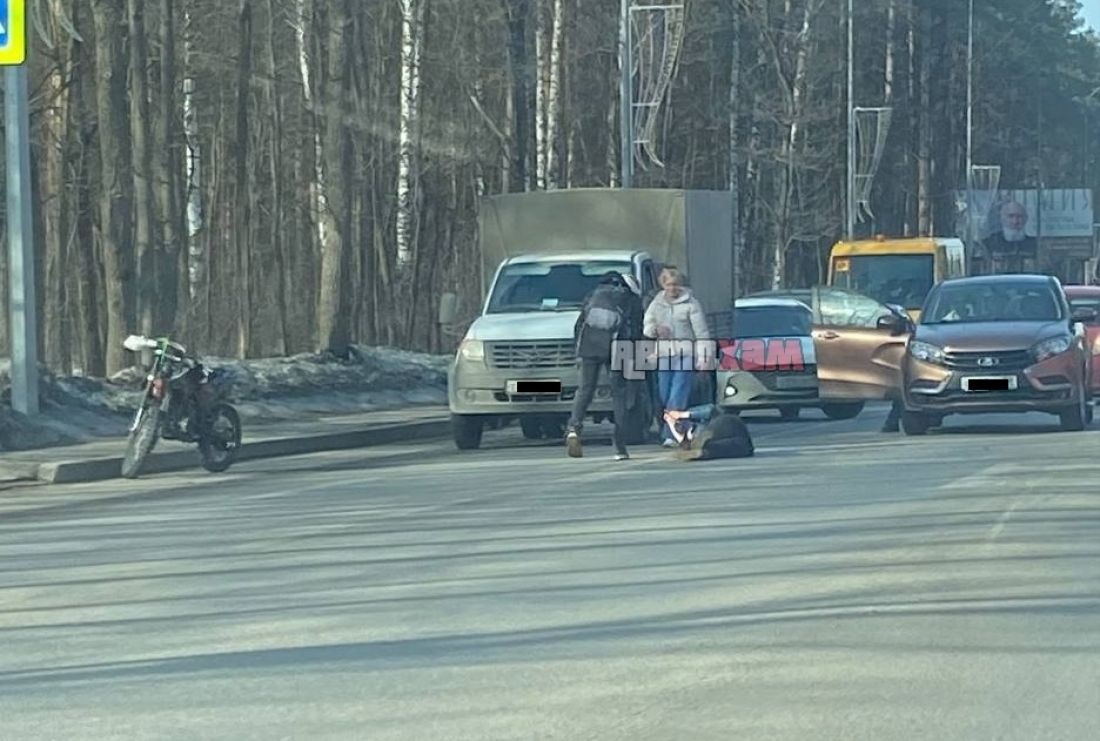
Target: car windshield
[
  {"x": 771, "y": 321},
  {"x": 993, "y": 302},
  {"x": 904, "y": 280},
  {"x": 548, "y": 286}
]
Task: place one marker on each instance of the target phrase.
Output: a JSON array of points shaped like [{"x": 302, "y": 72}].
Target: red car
[{"x": 1088, "y": 297}]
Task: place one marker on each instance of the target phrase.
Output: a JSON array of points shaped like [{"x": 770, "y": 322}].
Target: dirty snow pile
[{"x": 76, "y": 409}]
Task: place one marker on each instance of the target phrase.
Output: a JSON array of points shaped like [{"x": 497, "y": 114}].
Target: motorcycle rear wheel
[
  {"x": 221, "y": 438},
  {"x": 141, "y": 441}
]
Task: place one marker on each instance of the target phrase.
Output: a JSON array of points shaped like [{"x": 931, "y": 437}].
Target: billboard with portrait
[{"x": 1065, "y": 213}]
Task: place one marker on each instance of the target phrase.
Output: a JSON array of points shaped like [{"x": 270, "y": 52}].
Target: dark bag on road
[{"x": 724, "y": 436}]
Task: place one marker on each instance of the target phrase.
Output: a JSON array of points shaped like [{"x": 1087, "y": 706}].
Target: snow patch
[{"x": 77, "y": 409}]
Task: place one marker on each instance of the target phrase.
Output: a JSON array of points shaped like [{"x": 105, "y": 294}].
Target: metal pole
[
  {"x": 24, "y": 331},
  {"x": 970, "y": 95},
  {"x": 850, "y": 225},
  {"x": 626, "y": 94},
  {"x": 972, "y": 231}
]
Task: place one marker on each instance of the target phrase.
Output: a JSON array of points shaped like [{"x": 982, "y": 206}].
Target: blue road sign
[
  {"x": 5, "y": 23},
  {"x": 13, "y": 46}
]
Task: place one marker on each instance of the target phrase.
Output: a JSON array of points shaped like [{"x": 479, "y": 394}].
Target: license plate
[
  {"x": 989, "y": 383},
  {"x": 795, "y": 382},
  {"x": 534, "y": 387}
]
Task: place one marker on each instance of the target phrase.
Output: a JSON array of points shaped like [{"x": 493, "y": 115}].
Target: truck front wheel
[{"x": 467, "y": 431}]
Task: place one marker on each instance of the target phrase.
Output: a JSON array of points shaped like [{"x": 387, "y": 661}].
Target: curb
[{"x": 105, "y": 469}]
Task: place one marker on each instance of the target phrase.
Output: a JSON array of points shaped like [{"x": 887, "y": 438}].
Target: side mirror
[
  {"x": 893, "y": 322},
  {"x": 1085, "y": 315},
  {"x": 448, "y": 308}
]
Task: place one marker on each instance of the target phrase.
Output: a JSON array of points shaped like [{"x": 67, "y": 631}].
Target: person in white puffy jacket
[{"x": 675, "y": 314}]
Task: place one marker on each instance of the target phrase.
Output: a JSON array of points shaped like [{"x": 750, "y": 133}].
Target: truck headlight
[
  {"x": 1050, "y": 348},
  {"x": 926, "y": 352},
  {"x": 472, "y": 350}
]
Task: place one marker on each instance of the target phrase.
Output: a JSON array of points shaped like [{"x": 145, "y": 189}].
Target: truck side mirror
[{"x": 448, "y": 308}]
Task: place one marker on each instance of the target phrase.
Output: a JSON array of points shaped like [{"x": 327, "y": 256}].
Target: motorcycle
[{"x": 183, "y": 401}]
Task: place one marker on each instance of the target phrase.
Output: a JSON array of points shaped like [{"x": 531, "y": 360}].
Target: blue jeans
[{"x": 675, "y": 390}]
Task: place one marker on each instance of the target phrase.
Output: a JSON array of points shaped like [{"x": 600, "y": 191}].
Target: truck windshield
[
  {"x": 904, "y": 280},
  {"x": 771, "y": 321},
  {"x": 548, "y": 286}
]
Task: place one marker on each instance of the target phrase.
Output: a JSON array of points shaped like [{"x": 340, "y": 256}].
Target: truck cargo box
[{"x": 691, "y": 229}]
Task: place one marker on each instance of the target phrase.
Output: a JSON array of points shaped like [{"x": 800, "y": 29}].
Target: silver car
[{"x": 774, "y": 322}]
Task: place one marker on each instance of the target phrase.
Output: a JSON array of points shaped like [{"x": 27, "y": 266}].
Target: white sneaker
[
  {"x": 573, "y": 444},
  {"x": 622, "y": 456},
  {"x": 670, "y": 444}
]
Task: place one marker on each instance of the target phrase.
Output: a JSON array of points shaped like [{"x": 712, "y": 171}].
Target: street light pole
[
  {"x": 626, "y": 94},
  {"x": 971, "y": 231},
  {"x": 24, "y": 332},
  {"x": 850, "y": 206}
]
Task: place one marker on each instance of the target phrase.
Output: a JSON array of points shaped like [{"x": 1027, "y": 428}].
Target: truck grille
[
  {"x": 531, "y": 355},
  {"x": 988, "y": 362}
]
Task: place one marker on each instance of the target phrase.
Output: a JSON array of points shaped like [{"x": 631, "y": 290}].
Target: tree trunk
[
  {"x": 541, "y": 84},
  {"x": 196, "y": 257},
  {"x": 242, "y": 216},
  {"x": 275, "y": 172},
  {"x": 733, "y": 177},
  {"x": 891, "y": 26},
  {"x": 332, "y": 313},
  {"x": 304, "y": 32},
  {"x": 517, "y": 11},
  {"x": 412, "y": 24},
  {"x": 924, "y": 151},
  {"x": 553, "y": 94},
  {"x": 54, "y": 302},
  {"x": 140, "y": 133},
  {"x": 167, "y": 172},
  {"x": 789, "y": 151},
  {"x": 116, "y": 175}
]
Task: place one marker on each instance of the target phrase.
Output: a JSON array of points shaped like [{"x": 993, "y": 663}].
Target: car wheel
[
  {"x": 467, "y": 431},
  {"x": 790, "y": 413},
  {"x": 914, "y": 424},
  {"x": 1076, "y": 418},
  {"x": 843, "y": 411}
]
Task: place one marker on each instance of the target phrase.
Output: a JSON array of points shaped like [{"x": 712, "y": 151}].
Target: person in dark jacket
[
  {"x": 707, "y": 433},
  {"x": 613, "y": 311}
]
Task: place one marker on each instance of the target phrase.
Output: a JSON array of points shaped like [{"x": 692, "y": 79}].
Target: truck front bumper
[{"x": 473, "y": 388}]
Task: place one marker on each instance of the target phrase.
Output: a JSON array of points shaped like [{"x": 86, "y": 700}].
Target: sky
[{"x": 1090, "y": 9}]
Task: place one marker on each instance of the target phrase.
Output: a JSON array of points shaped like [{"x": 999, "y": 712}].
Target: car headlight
[
  {"x": 473, "y": 350},
  {"x": 1050, "y": 348},
  {"x": 926, "y": 352}
]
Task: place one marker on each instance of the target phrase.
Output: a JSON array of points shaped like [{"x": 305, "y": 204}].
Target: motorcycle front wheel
[
  {"x": 220, "y": 439},
  {"x": 141, "y": 440}
]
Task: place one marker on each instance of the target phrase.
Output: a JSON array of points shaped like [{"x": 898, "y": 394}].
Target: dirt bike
[{"x": 183, "y": 401}]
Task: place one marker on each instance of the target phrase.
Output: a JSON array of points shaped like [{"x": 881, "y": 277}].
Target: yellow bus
[{"x": 897, "y": 271}]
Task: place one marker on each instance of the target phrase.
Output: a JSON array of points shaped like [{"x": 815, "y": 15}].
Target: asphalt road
[{"x": 844, "y": 584}]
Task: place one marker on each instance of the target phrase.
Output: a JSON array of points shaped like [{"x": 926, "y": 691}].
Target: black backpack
[{"x": 602, "y": 322}]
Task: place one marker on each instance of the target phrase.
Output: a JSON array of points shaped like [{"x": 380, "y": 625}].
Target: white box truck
[{"x": 542, "y": 253}]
